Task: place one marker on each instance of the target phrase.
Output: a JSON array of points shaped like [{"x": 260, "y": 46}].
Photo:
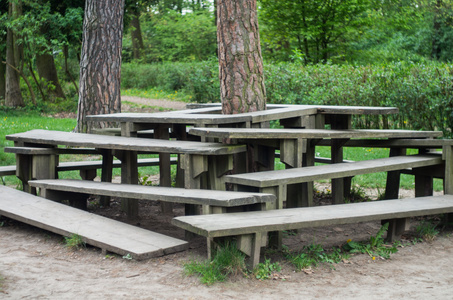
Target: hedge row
[{"x": 422, "y": 92}]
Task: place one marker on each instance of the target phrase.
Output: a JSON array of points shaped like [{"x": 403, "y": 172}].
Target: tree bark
[
  {"x": 240, "y": 61},
  {"x": 47, "y": 70},
  {"x": 136, "y": 35},
  {"x": 100, "y": 63},
  {"x": 13, "y": 95}
]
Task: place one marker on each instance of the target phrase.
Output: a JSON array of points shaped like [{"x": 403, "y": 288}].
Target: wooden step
[
  {"x": 141, "y": 192},
  {"x": 251, "y": 228},
  {"x": 107, "y": 234},
  {"x": 307, "y": 217},
  {"x": 339, "y": 170}
]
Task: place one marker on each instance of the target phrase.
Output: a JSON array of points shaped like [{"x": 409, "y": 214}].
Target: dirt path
[{"x": 35, "y": 264}]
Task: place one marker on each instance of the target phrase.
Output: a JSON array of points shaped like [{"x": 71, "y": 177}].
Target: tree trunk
[
  {"x": 13, "y": 95},
  {"x": 136, "y": 34},
  {"x": 100, "y": 64},
  {"x": 47, "y": 70},
  {"x": 240, "y": 61},
  {"x": 2, "y": 78}
]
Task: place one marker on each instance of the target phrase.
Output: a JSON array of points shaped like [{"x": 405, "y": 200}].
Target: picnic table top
[
  {"x": 56, "y": 138},
  {"x": 321, "y": 109},
  {"x": 212, "y": 114},
  {"x": 207, "y": 116},
  {"x": 284, "y": 133}
]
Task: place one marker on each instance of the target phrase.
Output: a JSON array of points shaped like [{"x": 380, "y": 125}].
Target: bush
[{"x": 423, "y": 92}]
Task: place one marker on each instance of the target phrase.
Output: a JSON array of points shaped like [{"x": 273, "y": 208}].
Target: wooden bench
[
  {"x": 107, "y": 234},
  {"x": 199, "y": 163},
  {"x": 251, "y": 228},
  {"x": 276, "y": 182},
  {"x": 87, "y": 168},
  {"x": 212, "y": 201}
]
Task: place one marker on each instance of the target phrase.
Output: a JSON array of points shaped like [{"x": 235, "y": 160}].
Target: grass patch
[
  {"x": 153, "y": 93},
  {"x": 265, "y": 270},
  {"x": 427, "y": 230},
  {"x": 227, "y": 261},
  {"x": 74, "y": 241},
  {"x": 375, "y": 247},
  {"x": 313, "y": 255}
]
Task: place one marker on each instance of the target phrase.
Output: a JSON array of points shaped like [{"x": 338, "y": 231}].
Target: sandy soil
[{"x": 35, "y": 264}]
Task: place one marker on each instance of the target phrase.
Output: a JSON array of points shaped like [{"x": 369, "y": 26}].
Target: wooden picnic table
[
  {"x": 297, "y": 148},
  {"x": 196, "y": 158}
]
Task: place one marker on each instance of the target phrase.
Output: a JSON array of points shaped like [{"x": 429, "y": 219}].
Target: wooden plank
[
  {"x": 107, "y": 234},
  {"x": 308, "y": 217},
  {"x": 306, "y": 174},
  {"x": 88, "y": 165},
  {"x": 356, "y": 110},
  {"x": 395, "y": 143},
  {"x": 7, "y": 170},
  {"x": 43, "y": 151},
  {"x": 157, "y": 193},
  {"x": 290, "y": 133},
  {"x": 71, "y": 139}
]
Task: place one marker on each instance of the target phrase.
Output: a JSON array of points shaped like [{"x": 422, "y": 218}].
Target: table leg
[{"x": 161, "y": 132}]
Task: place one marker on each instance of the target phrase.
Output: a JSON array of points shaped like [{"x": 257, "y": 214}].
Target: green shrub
[{"x": 422, "y": 91}]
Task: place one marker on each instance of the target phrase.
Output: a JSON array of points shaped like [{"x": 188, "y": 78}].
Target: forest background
[{"x": 331, "y": 52}]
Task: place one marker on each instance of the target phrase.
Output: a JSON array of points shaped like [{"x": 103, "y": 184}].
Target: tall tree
[
  {"x": 240, "y": 61},
  {"x": 100, "y": 64},
  {"x": 312, "y": 28},
  {"x": 13, "y": 95}
]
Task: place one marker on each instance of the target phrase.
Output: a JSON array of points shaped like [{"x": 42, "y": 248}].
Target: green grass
[
  {"x": 227, "y": 261},
  {"x": 74, "y": 241},
  {"x": 154, "y": 93}
]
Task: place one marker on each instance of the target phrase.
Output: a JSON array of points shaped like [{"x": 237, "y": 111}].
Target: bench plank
[
  {"x": 339, "y": 170},
  {"x": 7, "y": 170},
  {"x": 107, "y": 234},
  {"x": 47, "y": 137},
  {"x": 307, "y": 217},
  {"x": 269, "y": 133},
  {"x": 157, "y": 193}
]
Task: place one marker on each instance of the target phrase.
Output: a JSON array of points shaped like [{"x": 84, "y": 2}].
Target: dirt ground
[{"x": 36, "y": 264}]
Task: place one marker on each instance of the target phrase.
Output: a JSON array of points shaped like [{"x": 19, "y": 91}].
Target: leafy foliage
[
  {"x": 375, "y": 247},
  {"x": 266, "y": 270},
  {"x": 313, "y": 255}
]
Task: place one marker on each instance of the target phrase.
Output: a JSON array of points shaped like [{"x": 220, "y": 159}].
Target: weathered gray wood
[
  {"x": 107, "y": 234},
  {"x": 157, "y": 193},
  {"x": 88, "y": 165},
  {"x": 7, "y": 170},
  {"x": 44, "y": 151},
  {"x": 306, "y": 174},
  {"x": 208, "y": 116},
  {"x": 394, "y": 143},
  {"x": 290, "y": 133},
  {"x": 308, "y": 217},
  {"x": 70, "y": 139}
]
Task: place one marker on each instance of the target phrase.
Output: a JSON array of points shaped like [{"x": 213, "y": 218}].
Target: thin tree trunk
[
  {"x": 2, "y": 76},
  {"x": 136, "y": 35},
  {"x": 100, "y": 64},
  {"x": 13, "y": 95},
  {"x": 47, "y": 70},
  {"x": 240, "y": 61},
  {"x": 66, "y": 68}
]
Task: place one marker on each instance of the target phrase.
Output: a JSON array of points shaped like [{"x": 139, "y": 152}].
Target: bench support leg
[
  {"x": 106, "y": 174},
  {"x": 396, "y": 228}
]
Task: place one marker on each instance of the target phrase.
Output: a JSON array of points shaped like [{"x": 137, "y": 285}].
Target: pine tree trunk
[
  {"x": 13, "y": 95},
  {"x": 47, "y": 70},
  {"x": 240, "y": 61},
  {"x": 100, "y": 64},
  {"x": 136, "y": 35}
]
